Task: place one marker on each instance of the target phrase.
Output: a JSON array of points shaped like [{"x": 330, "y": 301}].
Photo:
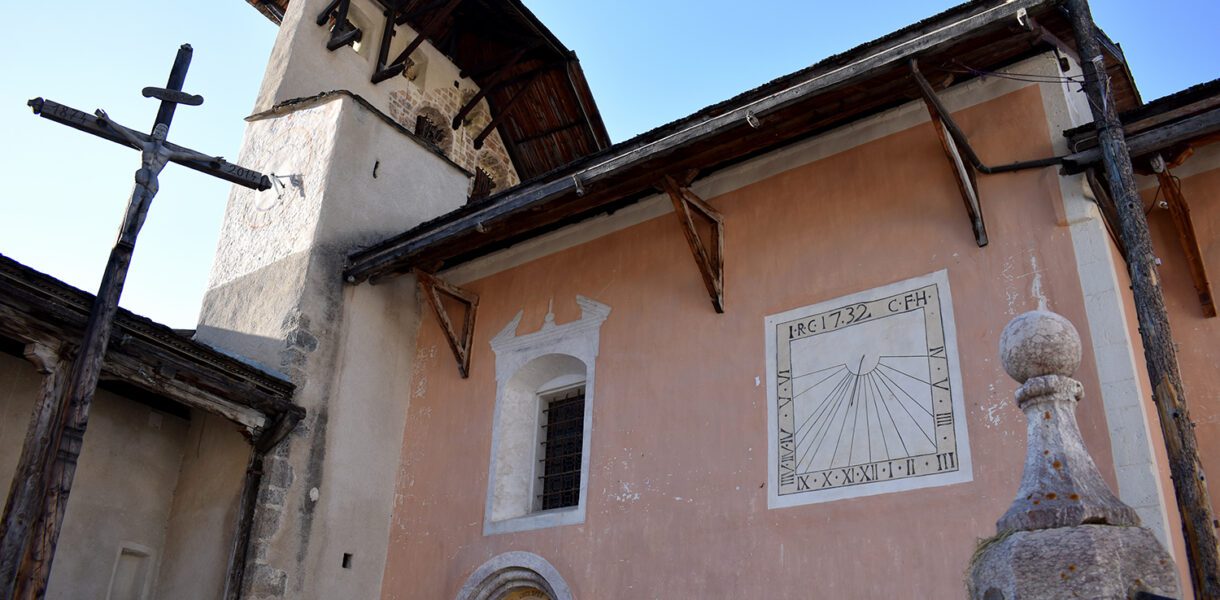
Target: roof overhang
[
  {"x": 36, "y": 308},
  {"x": 956, "y": 45}
]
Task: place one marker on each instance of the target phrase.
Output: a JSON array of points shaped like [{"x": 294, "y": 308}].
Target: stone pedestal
[{"x": 1066, "y": 534}]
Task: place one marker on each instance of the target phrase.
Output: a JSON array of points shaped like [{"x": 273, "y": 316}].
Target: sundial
[{"x": 864, "y": 395}]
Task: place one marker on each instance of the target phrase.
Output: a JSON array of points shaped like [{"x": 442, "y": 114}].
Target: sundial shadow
[{"x": 862, "y": 394}]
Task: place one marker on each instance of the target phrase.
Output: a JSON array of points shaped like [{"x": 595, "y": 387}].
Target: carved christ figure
[{"x": 155, "y": 154}]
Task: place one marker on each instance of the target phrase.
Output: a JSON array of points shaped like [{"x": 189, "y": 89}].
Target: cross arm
[{"x": 66, "y": 115}]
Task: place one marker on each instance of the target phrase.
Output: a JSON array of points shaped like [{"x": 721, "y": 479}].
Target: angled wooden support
[
  {"x": 1171, "y": 188},
  {"x": 1109, "y": 212},
  {"x": 461, "y": 344},
  {"x": 964, "y": 174},
  {"x": 709, "y": 257},
  {"x": 343, "y": 32},
  {"x": 399, "y": 64}
]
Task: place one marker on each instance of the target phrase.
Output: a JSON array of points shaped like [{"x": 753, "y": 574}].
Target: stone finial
[
  {"x": 1039, "y": 343},
  {"x": 1066, "y": 535},
  {"x": 1061, "y": 486}
]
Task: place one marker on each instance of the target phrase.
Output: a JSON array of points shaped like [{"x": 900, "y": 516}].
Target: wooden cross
[{"x": 34, "y": 512}]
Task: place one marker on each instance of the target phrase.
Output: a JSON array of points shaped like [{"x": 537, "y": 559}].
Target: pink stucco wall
[{"x": 677, "y": 496}]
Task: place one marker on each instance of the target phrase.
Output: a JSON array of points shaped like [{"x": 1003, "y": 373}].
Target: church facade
[{"x": 752, "y": 351}]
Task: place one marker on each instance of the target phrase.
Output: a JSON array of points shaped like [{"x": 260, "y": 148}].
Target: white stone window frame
[{"x": 577, "y": 340}]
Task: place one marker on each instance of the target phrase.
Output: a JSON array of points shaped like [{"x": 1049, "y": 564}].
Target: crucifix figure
[
  {"x": 37, "y": 500},
  {"x": 155, "y": 154}
]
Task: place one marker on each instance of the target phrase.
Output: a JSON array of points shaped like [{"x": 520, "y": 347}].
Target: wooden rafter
[
  {"x": 1180, "y": 212},
  {"x": 497, "y": 82},
  {"x": 963, "y": 174},
  {"x": 461, "y": 344},
  {"x": 399, "y": 64},
  {"x": 709, "y": 257},
  {"x": 505, "y": 110}
]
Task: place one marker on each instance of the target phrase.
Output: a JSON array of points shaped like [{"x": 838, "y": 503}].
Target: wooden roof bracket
[
  {"x": 343, "y": 32},
  {"x": 399, "y": 64},
  {"x": 1171, "y": 188},
  {"x": 964, "y": 174},
  {"x": 958, "y": 150},
  {"x": 431, "y": 287},
  {"x": 1105, "y": 202},
  {"x": 710, "y": 257},
  {"x": 1043, "y": 35}
]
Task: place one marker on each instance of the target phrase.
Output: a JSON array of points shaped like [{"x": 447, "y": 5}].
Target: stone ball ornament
[{"x": 1039, "y": 343}]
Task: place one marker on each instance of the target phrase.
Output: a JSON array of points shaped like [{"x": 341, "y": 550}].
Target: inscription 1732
[{"x": 865, "y": 395}]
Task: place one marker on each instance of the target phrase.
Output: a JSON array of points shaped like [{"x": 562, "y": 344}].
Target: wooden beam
[
  {"x": 425, "y": 32},
  {"x": 492, "y": 84},
  {"x": 1198, "y": 127},
  {"x": 1109, "y": 213},
  {"x": 964, "y": 175},
  {"x": 708, "y": 257},
  {"x": 1045, "y": 36},
  {"x": 340, "y": 34},
  {"x": 461, "y": 344},
  {"x": 24, "y": 505},
  {"x": 503, "y": 111},
  {"x": 495, "y": 69},
  {"x": 1160, "y": 353},
  {"x": 1180, "y": 212}
]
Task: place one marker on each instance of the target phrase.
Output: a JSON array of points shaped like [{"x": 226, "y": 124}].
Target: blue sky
[{"x": 648, "y": 62}]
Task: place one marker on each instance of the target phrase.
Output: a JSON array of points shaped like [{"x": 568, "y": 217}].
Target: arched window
[{"x": 539, "y": 471}]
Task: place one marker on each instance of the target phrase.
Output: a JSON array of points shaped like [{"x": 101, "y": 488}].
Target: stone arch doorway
[{"x": 515, "y": 576}]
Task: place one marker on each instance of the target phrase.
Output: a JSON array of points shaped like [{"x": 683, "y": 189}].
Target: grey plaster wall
[
  {"x": 203, "y": 517},
  {"x": 276, "y": 296},
  {"x": 121, "y": 496},
  {"x": 18, "y": 387},
  {"x": 123, "y": 490}
]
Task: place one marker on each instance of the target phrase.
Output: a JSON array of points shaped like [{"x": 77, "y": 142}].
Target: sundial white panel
[{"x": 865, "y": 395}]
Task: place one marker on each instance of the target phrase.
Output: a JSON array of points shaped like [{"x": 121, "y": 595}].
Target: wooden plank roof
[
  {"x": 556, "y": 121},
  {"x": 142, "y": 354},
  {"x": 961, "y": 43}
]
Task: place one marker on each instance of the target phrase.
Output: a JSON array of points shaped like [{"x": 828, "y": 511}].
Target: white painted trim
[
  {"x": 963, "y": 474},
  {"x": 579, "y": 339},
  {"x": 895, "y": 120},
  {"x": 1118, "y": 372}
]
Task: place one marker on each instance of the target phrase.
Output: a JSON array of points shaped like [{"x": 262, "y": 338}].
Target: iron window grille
[{"x": 562, "y": 440}]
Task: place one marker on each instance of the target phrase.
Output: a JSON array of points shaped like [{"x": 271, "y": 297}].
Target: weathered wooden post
[
  {"x": 1066, "y": 534},
  {"x": 37, "y": 501}
]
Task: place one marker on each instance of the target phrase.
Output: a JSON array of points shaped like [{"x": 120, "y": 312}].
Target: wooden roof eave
[
  {"x": 423, "y": 244},
  {"x": 37, "y": 308}
]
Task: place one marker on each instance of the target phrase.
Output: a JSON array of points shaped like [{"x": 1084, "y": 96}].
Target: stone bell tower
[{"x": 373, "y": 116}]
